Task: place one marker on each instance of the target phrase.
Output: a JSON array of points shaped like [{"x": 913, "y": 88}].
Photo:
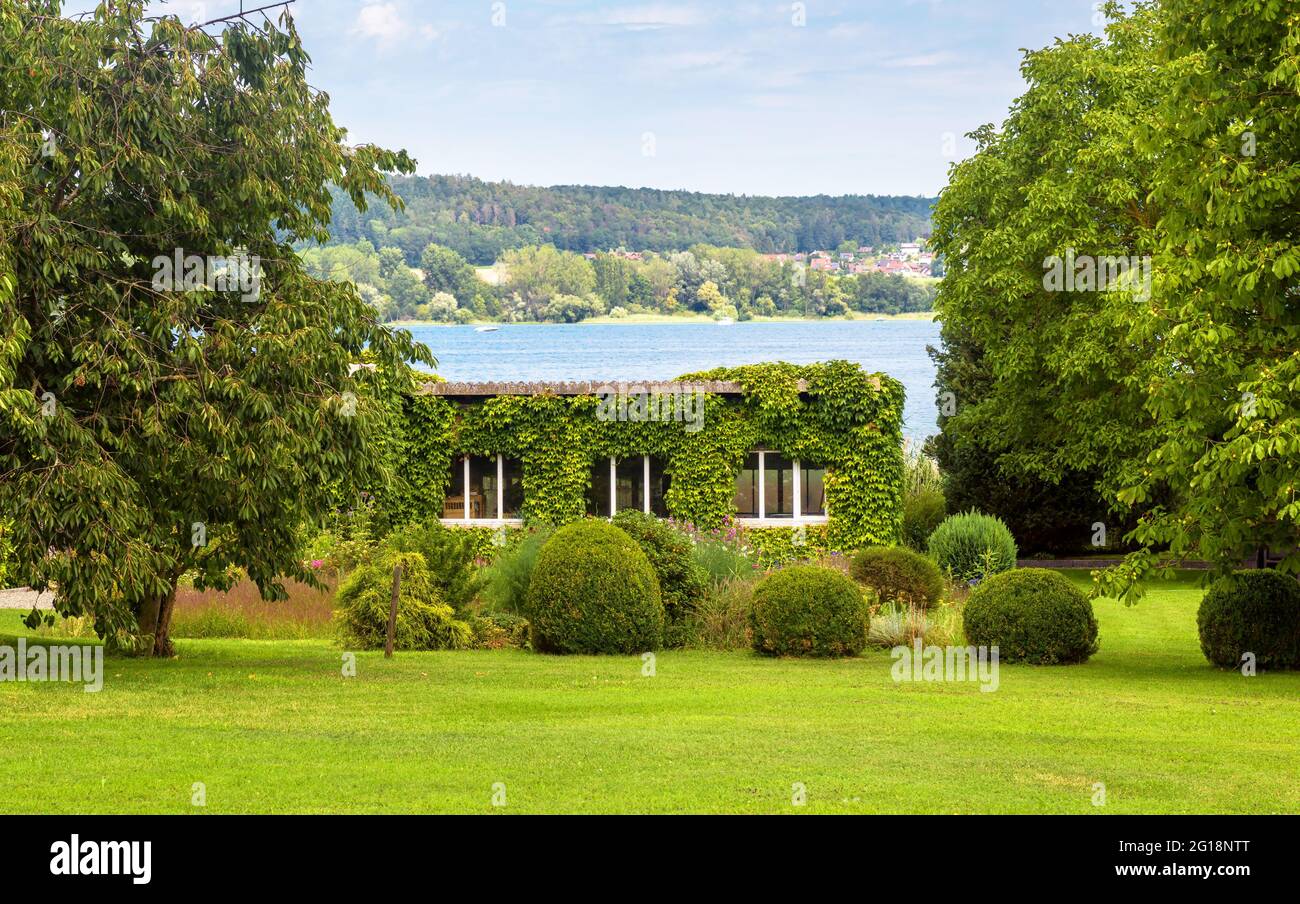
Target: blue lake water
[{"x": 663, "y": 351}]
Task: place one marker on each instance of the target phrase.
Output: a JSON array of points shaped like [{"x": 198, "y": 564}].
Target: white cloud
[{"x": 385, "y": 23}]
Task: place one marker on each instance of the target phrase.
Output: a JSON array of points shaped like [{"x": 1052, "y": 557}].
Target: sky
[{"x": 758, "y": 97}]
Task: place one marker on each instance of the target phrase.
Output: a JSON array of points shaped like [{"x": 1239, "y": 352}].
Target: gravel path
[{"x": 24, "y": 599}]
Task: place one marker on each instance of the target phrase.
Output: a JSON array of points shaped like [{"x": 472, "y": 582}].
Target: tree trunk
[
  {"x": 162, "y": 644},
  {"x": 155, "y": 621}
]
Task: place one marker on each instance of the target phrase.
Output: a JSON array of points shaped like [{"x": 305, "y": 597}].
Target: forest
[{"x": 482, "y": 220}]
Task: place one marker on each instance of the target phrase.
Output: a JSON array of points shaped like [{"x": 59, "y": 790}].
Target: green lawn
[{"x": 274, "y": 727}]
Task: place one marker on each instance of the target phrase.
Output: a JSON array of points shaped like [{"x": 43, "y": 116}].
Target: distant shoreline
[{"x": 642, "y": 319}]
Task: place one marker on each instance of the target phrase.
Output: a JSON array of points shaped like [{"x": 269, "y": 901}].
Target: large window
[
  {"x": 484, "y": 489},
  {"x": 778, "y": 486},
  {"x": 771, "y": 486},
  {"x": 637, "y": 484}
]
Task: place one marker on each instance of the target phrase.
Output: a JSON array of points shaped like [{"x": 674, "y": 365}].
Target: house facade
[{"x": 780, "y": 447}]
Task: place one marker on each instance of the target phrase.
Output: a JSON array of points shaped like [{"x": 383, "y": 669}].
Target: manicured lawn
[{"x": 274, "y": 727}]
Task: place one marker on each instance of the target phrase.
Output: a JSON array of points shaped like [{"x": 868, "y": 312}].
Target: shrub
[
  {"x": 723, "y": 560},
  {"x": 808, "y": 611},
  {"x": 973, "y": 547},
  {"x": 1034, "y": 616},
  {"x": 721, "y": 620},
  {"x": 506, "y": 580},
  {"x": 594, "y": 591},
  {"x": 682, "y": 581},
  {"x": 424, "y": 622},
  {"x": 900, "y": 626},
  {"x": 499, "y": 631},
  {"x": 899, "y": 575},
  {"x": 1252, "y": 612},
  {"x": 923, "y": 512},
  {"x": 449, "y": 555}
]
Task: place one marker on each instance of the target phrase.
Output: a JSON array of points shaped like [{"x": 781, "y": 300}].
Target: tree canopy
[
  {"x": 151, "y": 427},
  {"x": 1157, "y": 170}
]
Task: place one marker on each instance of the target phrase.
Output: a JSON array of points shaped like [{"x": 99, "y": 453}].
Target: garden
[{"x": 643, "y": 665}]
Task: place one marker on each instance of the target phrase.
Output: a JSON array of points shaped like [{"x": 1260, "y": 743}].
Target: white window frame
[
  {"x": 799, "y": 516},
  {"x": 465, "y": 519},
  {"x": 613, "y": 484}
]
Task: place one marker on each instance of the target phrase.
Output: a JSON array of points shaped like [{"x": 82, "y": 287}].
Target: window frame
[
  {"x": 799, "y": 517},
  {"x": 646, "y": 501},
  {"x": 464, "y": 479}
]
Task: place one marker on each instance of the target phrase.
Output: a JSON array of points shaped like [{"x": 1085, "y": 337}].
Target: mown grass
[{"x": 273, "y": 726}]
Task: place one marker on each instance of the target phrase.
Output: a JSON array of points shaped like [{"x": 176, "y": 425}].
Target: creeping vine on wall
[{"x": 846, "y": 420}]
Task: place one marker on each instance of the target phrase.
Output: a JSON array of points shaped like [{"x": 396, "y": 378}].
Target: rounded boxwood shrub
[
  {"x": 808, "y": 611},
  {"x": 973, "y": 546},
  {"x": 682, "y": 582},
  {"x": 1252, "y": 612},
  {"x": 594, "y": 591},
  {"x": 1032, "y": 615},
  {"x": 424, "y": 621},
  {"x": 899, "y": 575}
]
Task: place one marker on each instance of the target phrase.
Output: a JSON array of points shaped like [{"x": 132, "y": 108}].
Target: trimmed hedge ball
[
  {"x": 899, "y": 575},
  {"x": 1254, "y": 612},
  {"x": 808, "y": 611},
  {"x": 594, "y": 591},
  {"x": 1033, "y": 615}
]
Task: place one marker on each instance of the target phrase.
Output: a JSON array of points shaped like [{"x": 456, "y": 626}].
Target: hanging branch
[{"x": 243, "y": 12}]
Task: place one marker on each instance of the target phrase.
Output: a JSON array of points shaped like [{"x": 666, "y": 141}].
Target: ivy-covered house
[{"x": 812, "y": 452}]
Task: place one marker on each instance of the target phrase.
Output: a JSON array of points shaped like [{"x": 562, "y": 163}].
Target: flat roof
[{"x": 581, "y": 388}]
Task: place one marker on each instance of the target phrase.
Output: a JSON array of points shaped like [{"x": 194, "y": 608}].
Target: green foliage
[
  {"x": 973, "y": 546},
  {"x": 808, "y": 611},
  {"x": 682, "y": 582},
  {"x": 1256, "y": 612},
  {"x": 721, "y": 620},
  {"x": 6, "y": 555},
  {"x": 1173, "y": 141},
  {"x": 584, "y": 218},
  {"x": 899, "y": 575},
  {"x": 131, "y": 413},
  {"x": 450, "y": 556},
  {"x": 923, "y": 511},
  {"x": 594, "y": 591},
  {"x": 499, "y": 631},
  {"x": 424, "y": 621},
  {"x": 776, "y": 547},
  {"x": 723, "y": 560},
  {"x": 1032, "y": 615},
  {"x": 507, "y": 579}
]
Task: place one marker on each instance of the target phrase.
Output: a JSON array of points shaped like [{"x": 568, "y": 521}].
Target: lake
[{"x": 663, "y": 351}]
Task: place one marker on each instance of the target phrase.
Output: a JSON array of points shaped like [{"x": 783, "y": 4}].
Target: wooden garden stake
[{"x": 392, "y": 612}]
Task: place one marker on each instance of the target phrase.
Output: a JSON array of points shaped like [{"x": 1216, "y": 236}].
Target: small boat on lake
[{"x": 488, "y": 329}]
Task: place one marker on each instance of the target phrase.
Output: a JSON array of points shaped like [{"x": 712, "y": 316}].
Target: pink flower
[{"x": 318, "y": 564}]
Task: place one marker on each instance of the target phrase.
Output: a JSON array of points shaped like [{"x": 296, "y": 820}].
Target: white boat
[
  {"x": 726, "y": 321},
  {"x": 487, "y": 329}
]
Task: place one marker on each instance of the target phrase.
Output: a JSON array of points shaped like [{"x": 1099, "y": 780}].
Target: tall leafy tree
[
  {"x": 1042, "y": 392},
  {"x": 151, "y": 428},
  {"x": 1224, "y": 319}
]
